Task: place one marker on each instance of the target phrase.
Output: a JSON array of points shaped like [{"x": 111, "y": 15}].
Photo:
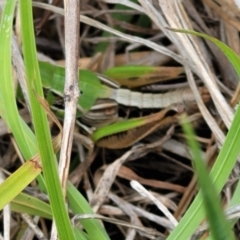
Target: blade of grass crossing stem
[
  {"x": 41, "y": 127},
  {"x": 219, "y": 226},
  {"x": 224, "y": 163}
]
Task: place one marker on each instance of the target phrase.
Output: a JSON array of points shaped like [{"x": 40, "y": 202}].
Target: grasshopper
[{"x": 98, "y": 106}]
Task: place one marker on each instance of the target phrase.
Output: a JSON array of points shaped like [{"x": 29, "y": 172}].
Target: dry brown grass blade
[
  {"x": 236, "y": 96},
  {"x": 144, "y": 192},
  {"x": 76, "y": 176},
  {"x": 145, "y": 58},
  {"x": 162, "y": 221},
  {"x": 129, "y": 211},
  {"x": 159, "y": 74},
  {"x": 225, "y": 14},
  {"x": 131, "y": 233},
  {"x": 149, "y": 231},
  {"x": 106, "y": 181},
  {"x": 127, "y": 173},
  {"x": 58, "y": 139}
]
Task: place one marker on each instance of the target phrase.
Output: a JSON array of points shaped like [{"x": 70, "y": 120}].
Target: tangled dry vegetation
[{"x": 137, "y": 35}]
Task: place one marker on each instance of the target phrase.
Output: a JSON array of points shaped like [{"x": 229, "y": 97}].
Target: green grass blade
[
  {"x": 7, "y": 95},
  {"x": 219, "y": 174},
  {"x": 24, "y": 203},
  {"x": 8, "y": 108},
  {"x": 219, "y": 226},
  {"x": 26, "y": 173},
  {"x": 79, "y": 235},
  {"x": 41, "y": 127},
  {"x": 79, "y": 205},
  {"x": 225, "y": 161}
]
